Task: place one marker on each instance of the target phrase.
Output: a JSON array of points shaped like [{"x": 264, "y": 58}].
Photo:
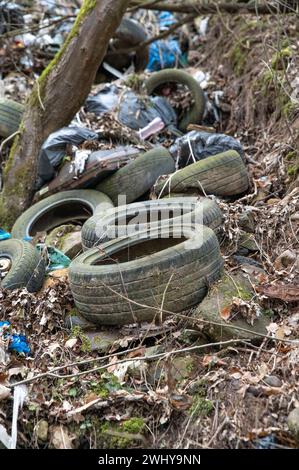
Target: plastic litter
[
  {"x": 200, "y": 144},
  {"x": 165, "y": 54},
  {"x": 54, "y": 149},
  {"x": 152, "y": 128},
  {"x": 104, "y": 101},
  {"x": 80, "y": 159},
  {"x": 4, "y": 235},
  {"x": 137, "y": 112},
  {"x": 17, "y": 343},
  {"x": 267, "y": 442},
  {"x": 57, "y": 259}
]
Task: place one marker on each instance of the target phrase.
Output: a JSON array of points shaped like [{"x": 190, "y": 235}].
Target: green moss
[
  {"x": 135, "y": 82},
  {"x": 133, "y": 425},
  {"x": 293, "y": 170},
  {"x": 74, "y": 312},
  {"x": 77, "y": 332},
  {"x": 107, "y": 383},
  {"x": 281, "y": 57},
  {"x": 288, "y": 107},
  {"x": 121, "y": 435},
  {"x": 201, "y": 407},
  {"x": 238, "y": 57},
  {"x": 291, "y": 155}
]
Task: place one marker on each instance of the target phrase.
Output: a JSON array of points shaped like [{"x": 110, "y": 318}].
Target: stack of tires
[{"x": 141, "y": 259}]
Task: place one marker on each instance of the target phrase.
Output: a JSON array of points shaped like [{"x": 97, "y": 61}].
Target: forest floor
[{"x": 117, "y": 393}]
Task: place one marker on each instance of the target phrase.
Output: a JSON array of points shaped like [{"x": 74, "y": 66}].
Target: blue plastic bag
[
  {"x": 4, "y": 235},
  {"x": 166, "y": 19},
  {"x": 164, "y": 54},
  {"x": 17, "y": 343}
]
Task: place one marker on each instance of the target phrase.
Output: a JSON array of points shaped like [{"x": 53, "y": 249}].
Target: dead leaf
[
  {"x": 70, "y": 343},
  {"x": 225, "y": 313},
  {"x": 180, "y": 402},
  {"x": 4, "y": 392},
  {"x": 211, "y": 360},
  {"x": 60, "y": 437},
  {"x": 286, "y": 292}
]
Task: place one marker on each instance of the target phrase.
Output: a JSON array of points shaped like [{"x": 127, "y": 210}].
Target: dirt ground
[{"x": 212, "y": 396}]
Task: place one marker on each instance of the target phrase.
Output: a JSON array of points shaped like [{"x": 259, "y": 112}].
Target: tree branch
[{"x": 199, "y": 8}]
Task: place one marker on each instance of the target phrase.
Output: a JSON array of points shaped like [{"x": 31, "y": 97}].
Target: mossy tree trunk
[{"x": 56, "y": 97}]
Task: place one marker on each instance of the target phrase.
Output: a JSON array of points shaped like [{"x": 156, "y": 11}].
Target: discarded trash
[
  {"x": 133, "y": 277},
  {"x": 152, "y": 128},
  {"x": 165, "y": 19},
  {"x": 104, "y": 101},
  {"x": 165, "y": 54},
  {"x": 26, "y": 268},
  {"x": 4, "y": 235},
  {"x": 197, "y": 145},
  {"x": 99, "y": 165},
  {"x": 267, "y": 442},
  {"x": 129, "y": 34},
  {"x": 57, "y": 259},
  {"x": 17, "y": 343},
  {"x": 137, "y": 112},
  {"x": 55, "y": 147}
]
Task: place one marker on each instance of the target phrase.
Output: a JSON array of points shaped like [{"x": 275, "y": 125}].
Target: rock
[
  {"x": 246, "y": 244},
  {"x": 75, "y": 319},
  {"x": 66, "y": 238},
  {"x": 218, "y": 300},
  {"x": 41, "y": 430},
  {"x": 246, "y": 220},
  {"x": 273, "y": 381},
  {"x": 293, "y": 422},
  {"x": 182, "y": 366},
  {"x": 102, "y": 340},
  {"x": 71, "y": 244}
]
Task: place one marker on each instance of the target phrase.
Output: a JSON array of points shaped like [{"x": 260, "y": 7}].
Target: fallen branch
[
  {"x": 205, "y": 9},
  {"x": 50, "y": 373}
]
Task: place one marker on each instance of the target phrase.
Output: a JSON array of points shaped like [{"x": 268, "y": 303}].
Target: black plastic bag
[
  {"x": 104, "y": 101},
  {"x": 200, "y": 144},
  {"x": 54, "y": 149},
  {"x": 137, "y": 112}
]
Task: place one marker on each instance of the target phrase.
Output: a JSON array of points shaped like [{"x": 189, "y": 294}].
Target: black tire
[
  {"x": 178, "y": 276},
  {"x": 59, "y": 209},
  {"x": 28, "y": 268},
  {"x": 112, "y": 223},
  {"x": 195, "y": 114},
  {"x": 129, "y": 34},
  {"x": 10, "y": 117},
  {"x": 223, "y": 175},
  {"x": 136, "y": 178}
]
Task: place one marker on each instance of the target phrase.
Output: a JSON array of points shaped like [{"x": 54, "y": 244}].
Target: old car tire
[
  {"x": 108, "y": 224},
  {"x": 137, "y": 177},
  {"x": 177, "y": 276},
  {"x": 223, "y": 175},
  {"x": 195, "y": 114},
  {"x": 27, "y": 265},
  {"x": 59, "y": 209},
  {"x": 10, "y": 117}
]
